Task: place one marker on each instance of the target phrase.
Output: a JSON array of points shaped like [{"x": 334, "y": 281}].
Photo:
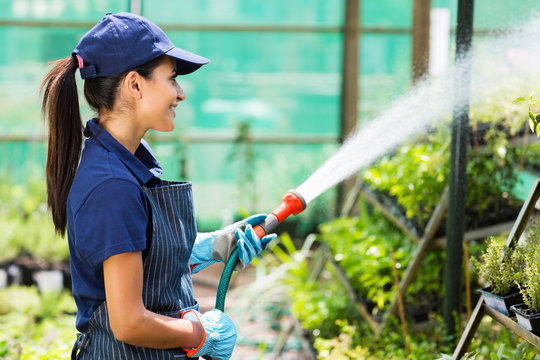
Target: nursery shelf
[
  {"x": 482, "y": 309},
  {"x": 513, "y": 326},
  {"x": 394, "y": 216}
]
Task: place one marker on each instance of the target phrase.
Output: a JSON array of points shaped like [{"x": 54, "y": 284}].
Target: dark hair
[{"x": 61, "y": 107}]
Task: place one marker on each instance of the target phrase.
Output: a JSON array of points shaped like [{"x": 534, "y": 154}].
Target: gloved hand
[
  {"x": 218, "y": 245},
  {"x": 219, "y": 334}
]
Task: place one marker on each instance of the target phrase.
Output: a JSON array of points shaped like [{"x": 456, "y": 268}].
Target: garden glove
[
  {"x": 218, "y": 245},
  {"x": 219, "y": 334}
]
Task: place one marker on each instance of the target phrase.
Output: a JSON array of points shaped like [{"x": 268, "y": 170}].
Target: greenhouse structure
[{"x": 408, "y": 128}]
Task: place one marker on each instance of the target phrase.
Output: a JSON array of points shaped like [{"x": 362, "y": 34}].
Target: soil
[{"x": 525, "y": 311}]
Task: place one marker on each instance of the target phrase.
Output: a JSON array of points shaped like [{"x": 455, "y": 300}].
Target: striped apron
[{"x": 167, "y": 286}]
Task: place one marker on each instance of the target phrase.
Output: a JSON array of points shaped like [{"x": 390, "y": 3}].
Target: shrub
[{"x": 498, "y": 267}]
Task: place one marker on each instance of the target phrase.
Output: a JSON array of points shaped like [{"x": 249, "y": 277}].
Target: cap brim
[{"x": 186, "y": 62}]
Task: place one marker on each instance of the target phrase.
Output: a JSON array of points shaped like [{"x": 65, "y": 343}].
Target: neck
[{"x": 122, "y": 129}]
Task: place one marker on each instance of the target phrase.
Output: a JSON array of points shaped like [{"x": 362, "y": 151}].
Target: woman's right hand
[{"x": 219, "y": 334}]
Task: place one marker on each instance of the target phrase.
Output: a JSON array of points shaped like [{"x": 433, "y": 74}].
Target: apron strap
[{"x": 82, "y": 342}]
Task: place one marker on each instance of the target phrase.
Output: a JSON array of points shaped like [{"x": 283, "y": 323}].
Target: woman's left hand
[
  {"x": 249, "y": 244},
  {"x": 218, "y": 245}
]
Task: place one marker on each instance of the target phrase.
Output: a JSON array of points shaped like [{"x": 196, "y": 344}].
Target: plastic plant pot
[
  {"x": 502, "y": 303},
  {"x": 526, "y": 318}
]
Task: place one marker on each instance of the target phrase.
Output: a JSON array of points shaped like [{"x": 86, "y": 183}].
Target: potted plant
[
  {"x": 528, "y": 312},
  {"x": 500, "y": 268}
]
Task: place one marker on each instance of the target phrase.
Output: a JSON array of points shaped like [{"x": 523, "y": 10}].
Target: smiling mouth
[{"x": 173, "y": 109}]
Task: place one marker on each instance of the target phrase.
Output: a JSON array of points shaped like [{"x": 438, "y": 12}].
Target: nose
[{"x": 180, "y": 95}]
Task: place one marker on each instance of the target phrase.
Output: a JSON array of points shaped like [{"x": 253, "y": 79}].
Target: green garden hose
[
  {"x": 224, "y": 284},
  {"x": 292, "y": 203},
  {"x": 225, "y": 280}
]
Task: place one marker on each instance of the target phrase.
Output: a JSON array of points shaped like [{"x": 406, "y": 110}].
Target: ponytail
[{"x": 61, "y": 107}]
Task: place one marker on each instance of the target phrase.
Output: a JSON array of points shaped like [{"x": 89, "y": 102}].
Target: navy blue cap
[{"x": 122, "y": 41}]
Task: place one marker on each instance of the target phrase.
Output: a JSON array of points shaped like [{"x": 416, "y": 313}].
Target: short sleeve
[{"x": 112, "y": 220}]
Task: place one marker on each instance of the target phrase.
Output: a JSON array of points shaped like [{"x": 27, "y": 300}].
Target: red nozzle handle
[{"x": 293, "y": 203}]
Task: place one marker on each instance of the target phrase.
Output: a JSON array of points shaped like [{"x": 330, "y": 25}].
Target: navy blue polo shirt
[{"x": 107, "y": 213}]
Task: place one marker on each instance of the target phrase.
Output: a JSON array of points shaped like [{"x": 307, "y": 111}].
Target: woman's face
[{"x": 161, "y": 95}]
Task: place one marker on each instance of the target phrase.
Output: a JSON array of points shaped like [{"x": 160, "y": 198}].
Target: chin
[{"x": 166, "y": 128}]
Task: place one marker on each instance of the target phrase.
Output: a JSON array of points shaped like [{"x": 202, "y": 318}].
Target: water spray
[
  {"x": 506, "y": 57},
  {"x": 292, "y": 204}
]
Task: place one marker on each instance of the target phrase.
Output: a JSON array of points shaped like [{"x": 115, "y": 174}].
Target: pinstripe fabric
[{"x": 167, "y": 286}]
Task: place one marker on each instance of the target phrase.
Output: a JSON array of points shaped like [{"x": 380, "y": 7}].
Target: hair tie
[{"x": 80, "y": 60}]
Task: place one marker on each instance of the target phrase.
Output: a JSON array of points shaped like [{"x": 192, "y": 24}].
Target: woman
[{"x": 132, "y": 237}]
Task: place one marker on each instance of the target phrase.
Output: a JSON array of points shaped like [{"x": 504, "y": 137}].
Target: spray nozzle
[{"x": 292, "y": 203}]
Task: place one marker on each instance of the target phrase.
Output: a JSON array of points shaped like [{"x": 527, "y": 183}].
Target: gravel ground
[{"x": 257, "y": 323}]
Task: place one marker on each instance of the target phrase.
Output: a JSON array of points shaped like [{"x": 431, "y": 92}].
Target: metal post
[
  {"x": 458, "y": 168},
  {"x": 420, "y": 38},
  {"x": 349, "y": 84}
]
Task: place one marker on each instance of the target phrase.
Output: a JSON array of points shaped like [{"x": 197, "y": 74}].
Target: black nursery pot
[
  {"x": 502, "y": 303},
  {"x": 526, "y": 318}
]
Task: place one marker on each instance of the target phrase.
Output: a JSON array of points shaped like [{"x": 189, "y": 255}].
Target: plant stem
[{"x": 400, "y": 302}]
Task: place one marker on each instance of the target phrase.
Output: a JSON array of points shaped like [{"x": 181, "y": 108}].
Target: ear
[{"x": 132, "y": 85}]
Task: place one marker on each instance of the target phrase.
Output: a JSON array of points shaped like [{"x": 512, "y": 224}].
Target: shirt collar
[{"x": 143, "y": 165}]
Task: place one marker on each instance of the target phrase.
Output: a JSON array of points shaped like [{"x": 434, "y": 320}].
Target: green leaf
[
  {"x": 532, "y": 125},
  {"x": 288, "y": 243},
  {"x": 500, "y": 352},
  {"x": 493, "y": 356},
  {"x": 519, "y": 99},
  {"x": 532, "y": 117}
]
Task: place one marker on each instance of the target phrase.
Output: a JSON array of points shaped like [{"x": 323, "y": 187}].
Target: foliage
[
  {"x": 498, "y": 266},
  {"x": 324, "y": 308},
  {"x": 344, "y": 346},
  {"x": 361, "y": 245},
  {"x": 528, "y": 279},
  {"x": 417, "y": 173},
  {"x": 355, "y": 341},
  {"x": 522, "y": 352},
  {"x": 36, "y": 325},
  {"x": 529, "y": 282},
  {"x": 318, "y": 303},
  {"x": 26, "y": 224},
  {"x": 326, "y": 312},
  {"x": 533, "y": 113},
  {"x": 490, "y": 177}
]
